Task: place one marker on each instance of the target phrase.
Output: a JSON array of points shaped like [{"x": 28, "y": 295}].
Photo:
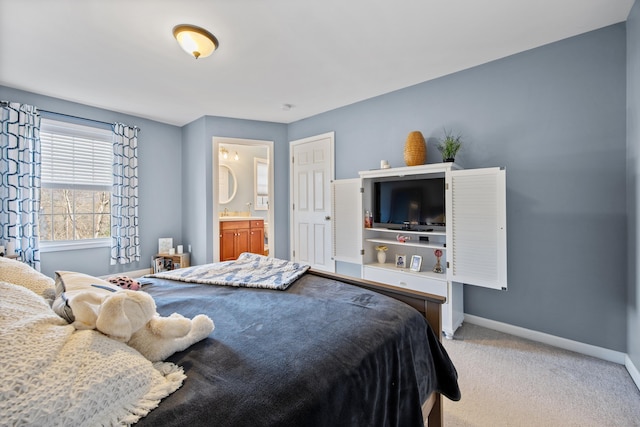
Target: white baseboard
[
  {"x": 633, "y": 371},
  {"x": 578, "y": 347}
]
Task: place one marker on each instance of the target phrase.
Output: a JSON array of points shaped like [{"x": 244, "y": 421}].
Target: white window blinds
[
  {"x": 75, "y": 156},
  {"x": 262, "y": 180}
]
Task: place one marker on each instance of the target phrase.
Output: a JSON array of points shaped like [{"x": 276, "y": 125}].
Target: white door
[{"x": 312, "y": 170}]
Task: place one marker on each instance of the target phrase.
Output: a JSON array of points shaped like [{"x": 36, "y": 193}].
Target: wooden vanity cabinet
[
  {"x": 237, "y": 237},
  {"x": 256, "y": 237}
]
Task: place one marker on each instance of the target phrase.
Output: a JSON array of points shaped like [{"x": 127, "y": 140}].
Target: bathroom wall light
[
  {"x": 196, "y": 41},
  {"x": 224, "y": 153}
]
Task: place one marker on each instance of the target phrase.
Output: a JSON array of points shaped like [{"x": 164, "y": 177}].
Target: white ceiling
[{"x": 316, "y": 55}]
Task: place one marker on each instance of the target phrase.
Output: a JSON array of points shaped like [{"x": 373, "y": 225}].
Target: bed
[{"x": 328, "y": 350}]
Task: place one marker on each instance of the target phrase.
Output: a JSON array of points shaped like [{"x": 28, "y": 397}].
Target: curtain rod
[
  {"x": 81, "y": 118},
  {"x": 6, "y": 103}
]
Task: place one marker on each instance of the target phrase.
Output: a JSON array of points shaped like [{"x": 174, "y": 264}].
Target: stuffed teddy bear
[
  {"x": 89, "y": 302},
  {"x": 130, "y": 317}
]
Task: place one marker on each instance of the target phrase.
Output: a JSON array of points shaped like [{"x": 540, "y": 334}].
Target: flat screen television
[{"x": 417, "y": 202}]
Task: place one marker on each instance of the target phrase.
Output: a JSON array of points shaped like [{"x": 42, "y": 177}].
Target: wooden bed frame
[{"x": 429, "y": 305}]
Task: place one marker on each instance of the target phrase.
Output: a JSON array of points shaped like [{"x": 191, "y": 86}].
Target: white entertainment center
[{"x": 471, "y": 235}]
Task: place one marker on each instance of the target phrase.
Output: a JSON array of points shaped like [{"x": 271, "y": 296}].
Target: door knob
[{"x": 327, "y": 218}]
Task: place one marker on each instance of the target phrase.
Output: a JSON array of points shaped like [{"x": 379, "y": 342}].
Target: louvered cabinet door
[
  {"x": 477, "y": 227},
  {"x": 347, "y": 220}
]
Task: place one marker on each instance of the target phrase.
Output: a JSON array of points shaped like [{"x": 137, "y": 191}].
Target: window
[
  {"x": 261, "y": 187},
  {"x": 75, "y": 199}
]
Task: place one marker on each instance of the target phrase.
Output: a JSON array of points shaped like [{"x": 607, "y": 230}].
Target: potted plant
[{"x": 449, "y": 146}]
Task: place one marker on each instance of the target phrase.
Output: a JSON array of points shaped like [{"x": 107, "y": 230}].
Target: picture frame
[
  {"x": 416, "y": 263},
  {"x": 164, "y": 244},
  {"x": 158, "y": 263},
  {"x": 401, "y": 261}
]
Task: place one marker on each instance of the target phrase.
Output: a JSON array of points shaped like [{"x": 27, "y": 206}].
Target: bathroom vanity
[{"x": 241, "y": 234}]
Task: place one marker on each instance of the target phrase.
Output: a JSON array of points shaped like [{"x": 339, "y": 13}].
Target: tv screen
[{"x": 419, "y": 202}]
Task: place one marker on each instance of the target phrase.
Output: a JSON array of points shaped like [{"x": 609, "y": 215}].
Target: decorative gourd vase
[
  {"x": 415, "y": 149},
  {"x": 382, "y": 257}
]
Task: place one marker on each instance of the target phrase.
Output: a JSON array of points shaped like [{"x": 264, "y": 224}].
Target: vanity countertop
[{"x": 240, "y": 218}]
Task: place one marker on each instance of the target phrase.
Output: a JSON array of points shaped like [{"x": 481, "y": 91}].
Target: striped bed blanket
[{"x": 249, "y": 270}]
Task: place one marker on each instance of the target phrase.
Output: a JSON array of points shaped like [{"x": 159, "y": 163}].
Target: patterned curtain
[
  {"x": 125, "y": 241},
  {"x": 20, "y": 180}
]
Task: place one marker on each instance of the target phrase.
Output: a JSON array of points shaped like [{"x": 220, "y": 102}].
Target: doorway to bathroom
[{"x": 242, "y": 185}]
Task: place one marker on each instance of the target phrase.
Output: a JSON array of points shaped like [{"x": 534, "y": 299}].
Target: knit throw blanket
[
  {"x": 249, "y": 270},
  {"x": 56, "y": 376}
]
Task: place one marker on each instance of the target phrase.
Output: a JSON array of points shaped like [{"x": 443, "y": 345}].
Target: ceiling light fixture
[{"x": 196, "y": 41}]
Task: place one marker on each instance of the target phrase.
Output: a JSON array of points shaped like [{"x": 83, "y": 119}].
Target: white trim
[
  {"x": 133, "y": 274},
  {"x": 567, "y": 344},
  {"x": 633, "y": 371},
  {"x": 74, "y": 245}
]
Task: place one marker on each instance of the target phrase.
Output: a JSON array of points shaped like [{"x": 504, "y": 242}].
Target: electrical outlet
[{"x": 189, "y": 248}]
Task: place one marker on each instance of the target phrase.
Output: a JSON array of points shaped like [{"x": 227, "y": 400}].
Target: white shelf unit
[
  {"x": 424, "y": 248},
  {"x": 433, "y": 244},
  {"x": 472, "y": 241}
]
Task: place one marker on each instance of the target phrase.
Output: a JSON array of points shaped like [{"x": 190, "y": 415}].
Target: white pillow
[
  {"x": 70, "y": 284},
  {"x": 53, "y": 374},
  {"x": 22, "y": 274}
]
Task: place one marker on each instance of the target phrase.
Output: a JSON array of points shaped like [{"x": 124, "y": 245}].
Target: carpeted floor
[{"x": 510, "y": 381}]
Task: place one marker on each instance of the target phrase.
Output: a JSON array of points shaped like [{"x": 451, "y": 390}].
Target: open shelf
[
  {"x": 412, "y": 232},
  {"x": 410, "y": 243},
  {"x": 426, "y": 273}
]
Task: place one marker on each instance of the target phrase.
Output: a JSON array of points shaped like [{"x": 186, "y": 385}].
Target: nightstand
[{"x": 164, "y": 262}]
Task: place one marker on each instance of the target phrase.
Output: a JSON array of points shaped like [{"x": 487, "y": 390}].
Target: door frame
[
  {"x": 215, "y": 166},
  {"x": 292, "y": 216}
]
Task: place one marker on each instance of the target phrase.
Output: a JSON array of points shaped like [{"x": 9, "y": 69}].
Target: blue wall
[
  {"x": 159, "y": 174},
  {"x": 197, "y": 199},
  {"x": 555, "y": 118},
  {"x": 633, "y": 181}
]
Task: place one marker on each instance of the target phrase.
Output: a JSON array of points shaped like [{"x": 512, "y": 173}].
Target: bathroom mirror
[{"x": 227, "y": 184}]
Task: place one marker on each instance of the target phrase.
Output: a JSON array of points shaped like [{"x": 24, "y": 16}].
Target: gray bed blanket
[{"x": 321, "y": 353}]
